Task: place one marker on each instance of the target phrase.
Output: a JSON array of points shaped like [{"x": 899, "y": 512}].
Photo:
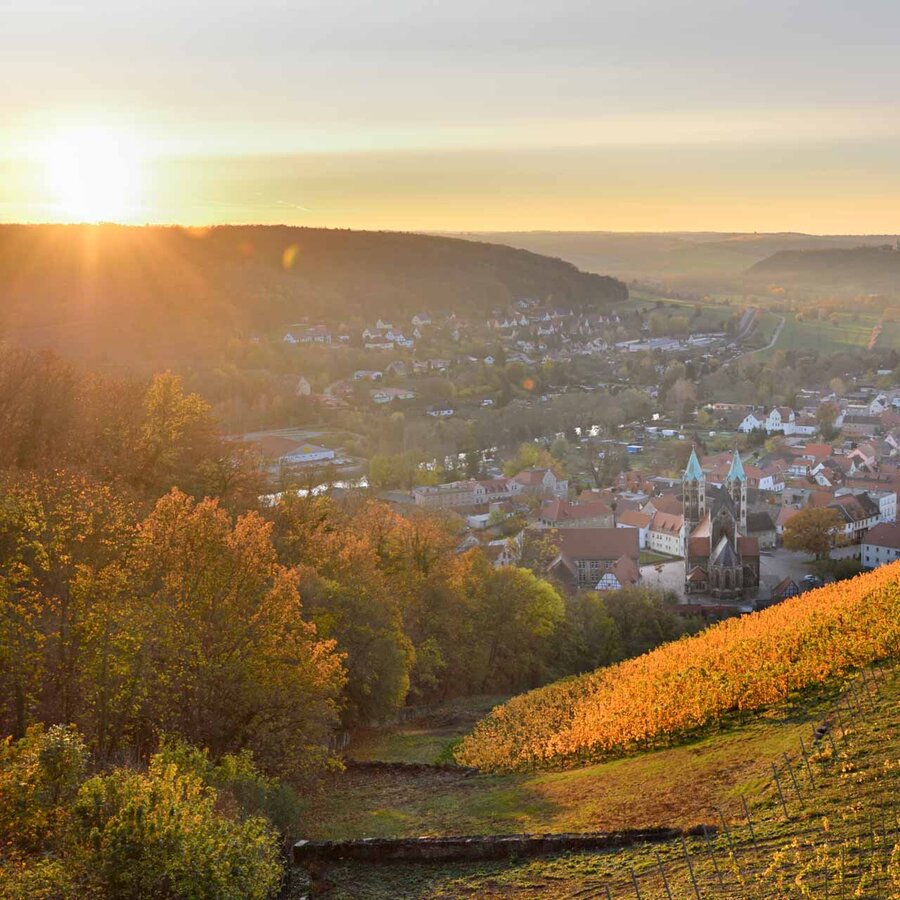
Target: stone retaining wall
[
  {"x": 477, "y": 848},
  {"x": 405, "y": 768}
]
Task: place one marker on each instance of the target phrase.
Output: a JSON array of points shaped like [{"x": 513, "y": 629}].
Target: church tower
[
  {"x": 736, "y": 485},
  {"x": 693, "y": 491}
]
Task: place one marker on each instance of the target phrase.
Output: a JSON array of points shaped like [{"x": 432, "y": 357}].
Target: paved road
[{"x": 775, "y": 335}]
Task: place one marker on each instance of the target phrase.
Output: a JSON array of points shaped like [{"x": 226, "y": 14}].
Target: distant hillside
[
  {"x": 165, "y": 292},
  {"x": 876, "y": 268},
  {"x": 682, "y": 256}
]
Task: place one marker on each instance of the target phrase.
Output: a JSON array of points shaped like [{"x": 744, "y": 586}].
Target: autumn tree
[
  {"x": 232, "y": 663},
  {"x": 531, "y": 455},
  {"x": 588, "y": 638},
  {"x": 812, "y": 531},
  {"x": 516, "y": 614},
  {"x": 66, "y": 645},
  {"x": 826, "y": 416},
  {"x": 681, "y": 398},
  {"x": 177, "y": 437}
]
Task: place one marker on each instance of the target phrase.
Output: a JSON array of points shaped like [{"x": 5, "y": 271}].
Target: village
[{"x": 695, "y": 498}]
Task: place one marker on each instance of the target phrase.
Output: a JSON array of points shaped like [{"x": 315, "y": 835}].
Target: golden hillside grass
[{"x": 738, "y": 665}]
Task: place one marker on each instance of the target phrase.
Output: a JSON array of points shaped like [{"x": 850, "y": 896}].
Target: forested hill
[
  {"x": 115, "y": 289},
  {"x": 876, "y": 268}
]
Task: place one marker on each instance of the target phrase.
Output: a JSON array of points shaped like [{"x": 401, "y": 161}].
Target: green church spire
[
  {"x": 693, "y": 472},
  {"x": 736, "y": 472}
]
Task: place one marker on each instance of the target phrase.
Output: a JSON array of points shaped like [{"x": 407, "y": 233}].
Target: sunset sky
[{"x": 404, "y": 114}]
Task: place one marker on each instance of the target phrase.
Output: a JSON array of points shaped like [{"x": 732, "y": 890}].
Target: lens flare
[{"x": 93, "y": 174}]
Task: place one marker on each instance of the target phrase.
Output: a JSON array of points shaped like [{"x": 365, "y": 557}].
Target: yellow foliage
[{"x": 740, "y": 664}]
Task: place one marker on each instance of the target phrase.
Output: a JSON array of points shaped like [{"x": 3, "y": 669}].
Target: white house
[
  {"x": 308, "y": 453},
  {"x": 666, "y": 534},
  {"x": 880, "y": 546},
  {"x": 751, "y": 423},
  {"x": 887, "y": 504},
  {"x": 390, "y": 394},
  {"x": 542, "y": 482},
  {"x": 807, "y": 426},
  {"x": 781, "y": 418},
  {"x": 769, "y": 479}
]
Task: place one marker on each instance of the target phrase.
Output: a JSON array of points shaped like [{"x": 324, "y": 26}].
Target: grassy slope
[
  {"x": 812, "y": 334},
  {"x": 429, "y": 739},
  {"x": 671, "y": 786},
  {"x": 849, "y": 797}
]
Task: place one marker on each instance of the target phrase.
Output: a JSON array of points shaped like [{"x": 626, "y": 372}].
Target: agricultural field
[
  {"x": 674, "y": 785},
  {"x": 711, "y": 317},
  {"x": 827, "y": 337},
  {"x": 825, "y": 824},
  {"x": 889, "y": 339},
  {"x": 775, "y": 733},
  {"x": 764, "y": 329},
  {"x": 694, "y": 683}
]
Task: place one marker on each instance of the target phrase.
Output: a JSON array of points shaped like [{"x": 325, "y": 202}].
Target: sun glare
[{"x": 93, "y": 174}]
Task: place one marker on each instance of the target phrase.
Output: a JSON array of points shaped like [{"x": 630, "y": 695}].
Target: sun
[{"x": 93, "y": 174}]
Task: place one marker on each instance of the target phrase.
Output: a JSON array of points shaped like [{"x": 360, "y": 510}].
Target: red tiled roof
[
  {"x": 782, "y": 586},
  {"x": 531, "y": 477},
  {"x": 747, "y": 546},
  {"x": 597, "y": 543},
  {"x": 884, "y": 535},
  {"x": 698, "y": 547},
  {"x": 635, "y": 518},
  {"x": 564, "y": 511},
  {"x": 819, "y": 451},
  {"x": 626, "y": 571},
  {"x": 667, "y": 503},
  {"x": 786, "y": 514},
  {"x": 697, "y": 574},
  {"x": 665, "y": 522}
]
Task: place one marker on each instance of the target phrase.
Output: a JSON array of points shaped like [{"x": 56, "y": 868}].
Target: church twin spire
[{"x": 693, "y": 471}]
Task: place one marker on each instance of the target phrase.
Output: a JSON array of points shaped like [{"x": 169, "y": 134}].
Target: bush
[{"x": 164, "y": 832}]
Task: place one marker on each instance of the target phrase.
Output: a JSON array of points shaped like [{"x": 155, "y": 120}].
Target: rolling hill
[
  {"x": 165, "y": 293},
  {"x": 679, "y": 256},
  {"x": 872, "y": 268}
]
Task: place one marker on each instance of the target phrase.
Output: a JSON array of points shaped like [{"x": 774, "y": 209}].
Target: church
[{"x": 721, "y": 559}]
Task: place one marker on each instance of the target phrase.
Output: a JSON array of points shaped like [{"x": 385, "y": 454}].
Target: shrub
[{"x": 163, "y": 832}]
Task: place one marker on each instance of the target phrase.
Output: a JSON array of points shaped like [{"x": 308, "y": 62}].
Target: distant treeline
[
  {"x": 167, "y": 293},
  {"x": 875, "y": 267}
]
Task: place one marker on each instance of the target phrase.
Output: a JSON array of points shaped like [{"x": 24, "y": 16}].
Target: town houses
[{"x": 708, "y": 487}]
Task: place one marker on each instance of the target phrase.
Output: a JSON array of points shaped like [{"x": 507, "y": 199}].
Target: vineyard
[
  {"x": 734, "y": 668},
  {"x": 819, "y": 822}
]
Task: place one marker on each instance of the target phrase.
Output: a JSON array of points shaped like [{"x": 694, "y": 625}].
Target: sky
[{"x": 627, "y": 115}]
